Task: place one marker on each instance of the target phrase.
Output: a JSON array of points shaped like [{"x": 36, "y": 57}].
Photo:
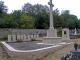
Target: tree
[
  {"x": 70, "y": 21},
  {"x": 65, "y": 12},
  {"x": 28, "y": 8},
  {"x": 27, "y": 21},
  {"x": 38, "y": 8},
  {"x": 58, "y": 19},
  {"x": 42, "y": 21},
  {"x": 3, "y": 8},
  {"x": 34, "y": 9},
  {"x": 16, "y": 16},
  {"x": 78, "y": 23},
  {"x": 21, "y": 20},
  {"x": 40, "y": 14}
]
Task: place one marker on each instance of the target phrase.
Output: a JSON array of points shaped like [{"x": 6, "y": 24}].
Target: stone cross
[{"x": 51, "y": 15}]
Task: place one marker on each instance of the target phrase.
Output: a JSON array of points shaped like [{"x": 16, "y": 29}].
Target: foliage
[
  {"x": 58, "y": 19},
  {"x": 3, "y": 8},
  {"x": 19, "y": 19},
  {"x": 70, "y": 21},
  {"x": 36, "y": 16},
  {"x": 34, "y": 9},
  {"x": 41, "y": 21}
]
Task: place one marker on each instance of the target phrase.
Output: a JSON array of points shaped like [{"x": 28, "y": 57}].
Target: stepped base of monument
[
  {"x": 52, "y": 33},
  {"x": 52, "y": 40}
]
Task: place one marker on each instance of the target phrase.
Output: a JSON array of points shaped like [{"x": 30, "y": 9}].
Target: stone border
[{"x": 14, "y": 50}]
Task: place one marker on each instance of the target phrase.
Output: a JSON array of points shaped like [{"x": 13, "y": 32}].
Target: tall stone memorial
[{"x": 51, "y": 32}]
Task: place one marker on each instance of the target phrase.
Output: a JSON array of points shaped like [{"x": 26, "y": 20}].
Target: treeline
[{"x": 36, "y": 16}]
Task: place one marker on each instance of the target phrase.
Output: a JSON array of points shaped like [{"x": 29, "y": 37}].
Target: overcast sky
[{"x": 72, "y": 5}]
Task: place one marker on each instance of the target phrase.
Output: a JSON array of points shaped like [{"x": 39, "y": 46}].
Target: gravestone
[
  {"x": 18, "y": 38},
  {"x": 37, "y": 36},
  {"x": 21, "y": 37},
  {"x": 25, "y": 38},
  {"x": 9, "y": 38},
  {"x": 29, "y": 37},
  {"x": 13, "y": 38}
]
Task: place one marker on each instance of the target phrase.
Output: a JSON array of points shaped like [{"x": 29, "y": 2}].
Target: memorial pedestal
[{"x": 52, "y": 33}]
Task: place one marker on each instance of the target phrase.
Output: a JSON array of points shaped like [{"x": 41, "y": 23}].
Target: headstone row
[{"x": 14, "y": 38}]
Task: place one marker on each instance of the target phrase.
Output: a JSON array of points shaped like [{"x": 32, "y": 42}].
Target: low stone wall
[{"x": 4, "y": 32}]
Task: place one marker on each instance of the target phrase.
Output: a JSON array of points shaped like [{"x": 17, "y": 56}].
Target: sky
[{"x": 72, "y": 5}]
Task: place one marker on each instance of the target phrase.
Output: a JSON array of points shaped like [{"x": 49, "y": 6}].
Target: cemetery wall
[{"x": 5, "y": 32}]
